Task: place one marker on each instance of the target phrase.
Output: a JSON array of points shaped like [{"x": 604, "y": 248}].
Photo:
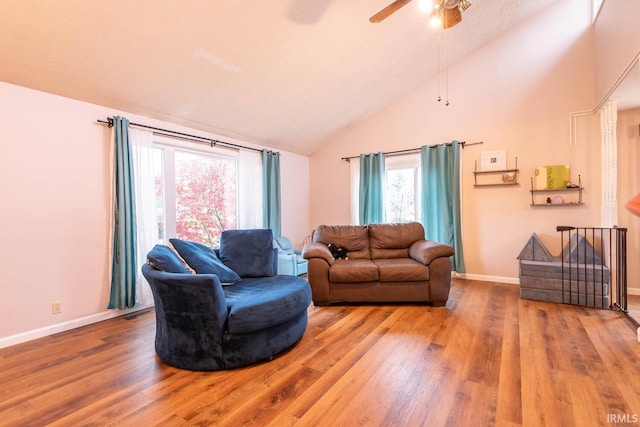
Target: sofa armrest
[
  {"x": 425, "y": 251},
  {"x": 317, "y": 250}
]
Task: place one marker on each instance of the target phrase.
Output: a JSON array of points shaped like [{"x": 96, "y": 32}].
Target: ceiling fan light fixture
[
  {"x": 436, "y": 18},
  {"x": 446, "y": 11}
]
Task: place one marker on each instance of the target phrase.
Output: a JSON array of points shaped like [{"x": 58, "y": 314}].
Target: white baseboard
[{"x": 65, "y": 326}]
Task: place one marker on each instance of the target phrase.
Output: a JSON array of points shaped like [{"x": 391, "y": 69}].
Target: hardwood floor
[{"x": 488, "y": 358}]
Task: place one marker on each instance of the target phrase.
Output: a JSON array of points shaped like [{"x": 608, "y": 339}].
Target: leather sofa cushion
[
  {"x": 401, "y": 270},
  {"x": 353, "y": 270},
  {"x": 394, "y": 240},
  {"x": 355, "y": 238}
]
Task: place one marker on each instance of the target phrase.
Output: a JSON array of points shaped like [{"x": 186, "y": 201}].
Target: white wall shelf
[{"x": 495, "y": 178}]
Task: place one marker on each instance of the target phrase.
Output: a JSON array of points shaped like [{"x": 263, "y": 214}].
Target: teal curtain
[
  {"x": 123, "y": 268},
  {"x": 271, "y": 201},
  {"x": 441, "y": 212},
  {"x": 371, "y": 202}
]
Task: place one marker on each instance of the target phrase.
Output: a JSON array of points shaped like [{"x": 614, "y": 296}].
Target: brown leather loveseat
[{"x": 386, "y": 263}]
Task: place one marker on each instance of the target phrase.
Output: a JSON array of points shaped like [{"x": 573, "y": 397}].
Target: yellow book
[{"x": 552, "y": 177}]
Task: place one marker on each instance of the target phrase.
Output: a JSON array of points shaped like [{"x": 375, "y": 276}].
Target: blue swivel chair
[{"x": 290, "y": 261}]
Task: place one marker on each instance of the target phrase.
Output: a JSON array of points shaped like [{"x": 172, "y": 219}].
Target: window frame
[
  {"x": 169, "y": 147},
  {"x": 405, "y": 161}
]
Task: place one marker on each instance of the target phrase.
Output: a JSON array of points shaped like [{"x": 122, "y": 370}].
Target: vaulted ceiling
[{"x": 284, "y": 73}]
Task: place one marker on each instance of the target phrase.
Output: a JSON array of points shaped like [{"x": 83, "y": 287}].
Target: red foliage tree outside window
[{"x": 206, "y": 202}]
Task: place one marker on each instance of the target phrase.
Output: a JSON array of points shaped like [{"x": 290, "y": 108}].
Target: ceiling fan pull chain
[
  {"x": 439, "y": 68},
  {"x": 446, "y": 49}
]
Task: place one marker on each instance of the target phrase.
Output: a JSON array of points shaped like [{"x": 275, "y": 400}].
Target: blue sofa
[{"x": 203, "y": 325}]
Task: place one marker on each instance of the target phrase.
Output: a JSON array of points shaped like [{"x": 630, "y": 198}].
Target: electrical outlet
[{"x": 56, "y": 307}]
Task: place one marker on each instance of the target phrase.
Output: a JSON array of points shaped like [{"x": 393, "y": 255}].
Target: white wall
[
  {"x": 515, "y": 93},
  {"x": 617, "y": 45},
  {"x": 617, "y": 42},
  {"x": 54, "y": 228},
  {"x": 294, "y": 182},
  {"x": 628, "y": 133}
]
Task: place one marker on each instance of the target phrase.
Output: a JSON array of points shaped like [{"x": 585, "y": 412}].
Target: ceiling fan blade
[
  {"x": 384, "y": 13},
  {"x": 451, "y": 17}
]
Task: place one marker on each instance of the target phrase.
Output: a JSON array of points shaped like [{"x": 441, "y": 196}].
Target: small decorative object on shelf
[
  {"x": 508, "y": 177},
  {"x": 495, "y": 177},
  {"x": 556, "y": 200}
]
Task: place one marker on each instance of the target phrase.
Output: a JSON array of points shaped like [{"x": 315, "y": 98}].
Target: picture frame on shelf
[{"x": 493, "y": 160}]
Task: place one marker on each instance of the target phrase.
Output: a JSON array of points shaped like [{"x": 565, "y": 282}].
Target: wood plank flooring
[{"x": 487, "y": 358}]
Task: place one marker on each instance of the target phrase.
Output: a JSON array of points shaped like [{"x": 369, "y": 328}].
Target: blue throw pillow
[
  {"x": 162, "y": 258},
  {"x": 204, "y": 260},
  {"x": 248, "y": 252}
]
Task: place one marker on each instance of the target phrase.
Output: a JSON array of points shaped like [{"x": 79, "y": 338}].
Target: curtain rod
[
  {"x": 411, "y": 150},
  {"x": 194, "y": 138}
]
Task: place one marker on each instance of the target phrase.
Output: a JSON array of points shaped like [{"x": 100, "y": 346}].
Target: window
[
  {"x": 196, "y": 194},
  {"x": 401, "y": 192},
  {"x": 400, "y": 195}
]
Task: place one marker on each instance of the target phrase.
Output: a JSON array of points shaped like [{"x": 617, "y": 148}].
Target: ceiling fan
[{"x": 448, "y": 12}]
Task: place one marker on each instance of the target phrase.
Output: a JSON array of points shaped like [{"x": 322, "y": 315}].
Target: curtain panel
[
  {"x": 123, "y": 252},
  {"x": 146, "y": 220},
  {"x": 371, "y": 197},
  {"x": 441, "y": 210},
  {"x": 250, "y": 194},
  {"x": 271, "y": 199}
]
